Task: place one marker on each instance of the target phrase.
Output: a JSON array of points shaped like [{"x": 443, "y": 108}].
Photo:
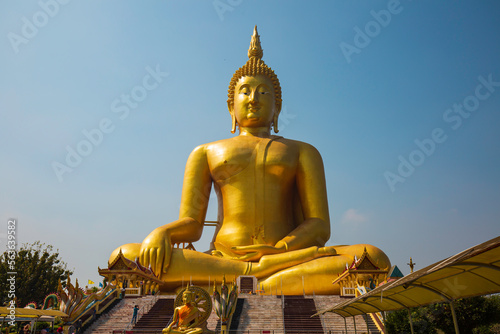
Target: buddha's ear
[
  {"x": 230, "y": 107},
  {"x": 276, "y": 115},
  {"x": 278, "y": 107}
]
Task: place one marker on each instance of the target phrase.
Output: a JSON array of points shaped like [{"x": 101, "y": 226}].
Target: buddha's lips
[{"x": 253, "y": 114}]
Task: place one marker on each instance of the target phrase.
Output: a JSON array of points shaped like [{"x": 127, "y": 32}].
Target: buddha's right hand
[{"x": 156, "y": 250}]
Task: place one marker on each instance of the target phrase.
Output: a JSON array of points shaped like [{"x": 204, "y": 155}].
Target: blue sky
[{"x": 362, "y": 81}]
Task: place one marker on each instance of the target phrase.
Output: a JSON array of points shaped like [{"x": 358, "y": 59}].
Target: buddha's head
[
  {"x": 188, "y": 296},
  {"x": 254, "y": 95}
]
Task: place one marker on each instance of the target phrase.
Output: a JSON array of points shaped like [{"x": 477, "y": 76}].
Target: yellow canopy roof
[
  {"x": 473, "y": 272},
  {"x": 31, "y": 313}
]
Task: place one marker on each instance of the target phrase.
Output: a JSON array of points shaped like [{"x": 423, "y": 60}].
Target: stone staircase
[
  {"x": 157, "y": 318},
  {"x": 334, "y": 323},
  {"x": 371, "y": 324},
  {"x": 119, "y": 317},
  {"x": 297, "y": 315},
  {"x": 260, "y": 313},
  {"x": 235, "y": 321}
]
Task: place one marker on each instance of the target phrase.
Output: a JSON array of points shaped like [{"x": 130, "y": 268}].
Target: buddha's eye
[{"x": 262, "y": 90}]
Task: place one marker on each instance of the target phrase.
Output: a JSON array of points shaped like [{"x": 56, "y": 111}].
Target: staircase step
[
  {"x": 258, "y": 313},
  {"x": 158, "y": 317}
]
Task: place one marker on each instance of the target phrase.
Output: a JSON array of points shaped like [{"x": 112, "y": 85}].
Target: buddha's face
[
  {"x": 187, "y": 297},
  {"x": 254, "y": 101}
]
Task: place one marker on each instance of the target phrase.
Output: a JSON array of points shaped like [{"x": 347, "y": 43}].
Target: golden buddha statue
[
  {"x": 186, "y": 318},
  {"x": 273, "y": 219}
]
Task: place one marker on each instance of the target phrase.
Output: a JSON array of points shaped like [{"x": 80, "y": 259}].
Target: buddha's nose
[{"x": 254, "y": 97}]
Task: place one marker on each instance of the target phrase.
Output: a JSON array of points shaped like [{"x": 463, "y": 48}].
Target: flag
[{"x": 90, "y": 282}]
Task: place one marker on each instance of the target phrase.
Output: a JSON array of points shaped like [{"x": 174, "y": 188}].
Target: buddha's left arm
[{"x": 311, "y": 186}]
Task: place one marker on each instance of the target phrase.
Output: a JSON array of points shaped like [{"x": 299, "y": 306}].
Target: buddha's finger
[
  {"x": 237, "y": 248},
  {"x": 165, "y": 255},
  {"x": 240, "y": 252},
  {"x": 244, "y": 249},
  {"x": 143, "y": 258},
  {"x": 159, "y": 260},
  {"x": 248, "y": 256},
  {"x": 152, "y": 260}
]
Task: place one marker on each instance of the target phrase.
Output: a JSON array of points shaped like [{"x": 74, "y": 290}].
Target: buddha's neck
[{"x": 262, "y": 132}]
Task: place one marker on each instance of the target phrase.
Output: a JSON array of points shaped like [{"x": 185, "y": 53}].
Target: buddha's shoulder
[
  {"x": 214, "y": 145},
  {"x": 299, "y": 145},
  {"x": 238, "y": 142}
]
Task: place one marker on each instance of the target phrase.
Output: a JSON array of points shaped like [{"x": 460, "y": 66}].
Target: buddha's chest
[{"x": 253, "y": 159}]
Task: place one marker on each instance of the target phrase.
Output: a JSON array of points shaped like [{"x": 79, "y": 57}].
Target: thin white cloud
[{"x": 353, "y": 216}]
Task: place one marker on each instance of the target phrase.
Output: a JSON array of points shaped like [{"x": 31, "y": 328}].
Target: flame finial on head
[{"x": 255, "y": 49}]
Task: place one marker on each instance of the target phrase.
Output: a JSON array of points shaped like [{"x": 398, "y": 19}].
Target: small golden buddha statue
[
  {"x": 273, "y": 219},
  {"x": 186, "y": 318}
]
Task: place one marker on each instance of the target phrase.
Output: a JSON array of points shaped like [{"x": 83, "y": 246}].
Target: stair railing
[
  {"x": 378, "y": 320},
  {"x": 143, "y": 310},
  {"x": 146, "y": 308},
  {"x": 321, "y": 316},
  {"x": 129, "y": 326},
  {"x": 283, "y": 310},
  {"x": 170, "y": 321}
]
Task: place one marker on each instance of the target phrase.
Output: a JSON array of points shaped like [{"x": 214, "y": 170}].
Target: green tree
[
  {"x": 471, "y": 313},
  {"x": 474, "y": 315},
  {"x": 398, "y": 322},
  {"x": 38, "y": 269}
]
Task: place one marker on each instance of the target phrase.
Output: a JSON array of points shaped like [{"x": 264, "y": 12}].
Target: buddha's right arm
[
  {"x": 174, "y": 320},
  {"x": 156, "y": 248}
]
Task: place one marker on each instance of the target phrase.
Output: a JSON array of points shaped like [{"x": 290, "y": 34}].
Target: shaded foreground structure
[
  {"x": 472, "y": 272},
  {"x": 475, "y": 271}
]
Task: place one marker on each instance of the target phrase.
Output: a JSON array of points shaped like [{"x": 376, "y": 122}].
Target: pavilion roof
[{"x": 472, "y": 272}]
